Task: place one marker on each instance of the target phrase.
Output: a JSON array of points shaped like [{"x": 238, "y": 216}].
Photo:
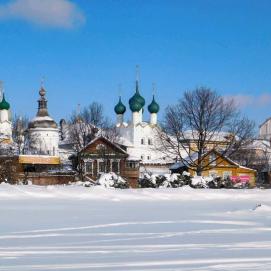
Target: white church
[{"x": 139, "y": 136}]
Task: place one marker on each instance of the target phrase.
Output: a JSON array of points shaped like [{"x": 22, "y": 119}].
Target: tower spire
[
  {"x": 1, "y": 89},
  {"x": 42, "y": 82},
  {"x": 137, "y": 78},
  {"x": 153, "y": 89},
  {"x": 120, "y": 90},
  {"x": 42, "y": 109}
]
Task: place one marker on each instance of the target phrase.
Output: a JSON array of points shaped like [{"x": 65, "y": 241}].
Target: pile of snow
[
  {"x": 201, "y": 182},
  {"x": 111, "y": 179}
]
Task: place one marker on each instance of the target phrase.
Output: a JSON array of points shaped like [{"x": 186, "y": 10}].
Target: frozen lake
[{"x": 77, "y": 228}]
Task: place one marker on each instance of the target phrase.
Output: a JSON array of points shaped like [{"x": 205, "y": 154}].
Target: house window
[
  {"x": 149, "y": 141},
  {"x": 142, "y": 141},
  {"x": 212, "y": 159},
  {"x": 148, "y": 157},
  {"x": 88, "y": 167},
  {"x": 115, "y": 166},
  {"x": 131, "y": 164},
  {"x": 142, "y": 157},
  {"x": 101, "y": 167}
]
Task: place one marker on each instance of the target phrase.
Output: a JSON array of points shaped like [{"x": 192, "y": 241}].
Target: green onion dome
[
  {"x": 137, "y": 101},
  {"x": 120, "y": 108},
  {"x": 154, "y": 106},
  {"x": 4, "y": 105}
]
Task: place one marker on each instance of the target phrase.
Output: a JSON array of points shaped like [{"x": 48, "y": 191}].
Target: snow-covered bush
[
  {"x": 177, "y": 180},
  {"x": 168, "y": 180},
  {"x": 112, "y": 180},
  {"x": 200, "y": 182}
]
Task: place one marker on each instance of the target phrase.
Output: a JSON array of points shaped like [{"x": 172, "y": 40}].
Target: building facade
[{"x": 103, "y": 156}]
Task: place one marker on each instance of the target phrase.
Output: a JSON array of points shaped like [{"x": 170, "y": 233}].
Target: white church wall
[{"x": 44, "y": 141}]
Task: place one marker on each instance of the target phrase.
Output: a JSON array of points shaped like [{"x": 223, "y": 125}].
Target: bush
[
  {"x": 179, "y": 180},
  {"x": 112, "y": 180},
  {"x": 168, "y": 180}
]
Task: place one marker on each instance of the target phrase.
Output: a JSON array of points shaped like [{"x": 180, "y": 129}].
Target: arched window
[
  {"x": 142, "y": 141},
  {"x": 149, "y": 141}
]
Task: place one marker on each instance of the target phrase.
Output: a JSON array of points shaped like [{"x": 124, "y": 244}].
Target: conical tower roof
[{"x": 42, "y": 119}]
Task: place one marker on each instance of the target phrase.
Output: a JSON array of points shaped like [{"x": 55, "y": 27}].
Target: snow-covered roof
[
  {"x": 216, "y": 136},
  {"x": 124, "y": 141},
  {"x": 39, "y": 159},
  {"x": 45, "y": 118},
  {"x": 159, "y": 161},
  {"x": 260, "y": 144},
  {"x": 107, "y": 140},
  {"x": 194, "y": 158}
]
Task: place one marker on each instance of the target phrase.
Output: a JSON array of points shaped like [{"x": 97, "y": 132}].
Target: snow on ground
[{"x": 80, "y": 228}]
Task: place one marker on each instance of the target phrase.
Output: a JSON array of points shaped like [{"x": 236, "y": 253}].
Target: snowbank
[{"x": 148, "y": 194}]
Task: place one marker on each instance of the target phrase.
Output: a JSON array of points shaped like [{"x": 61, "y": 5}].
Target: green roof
[
  {"x": 120, "y": 107},
  {"x": 137, "y": 101},
  {"x": 4, "y": 105},
  {"x": 154, "y": 106}
]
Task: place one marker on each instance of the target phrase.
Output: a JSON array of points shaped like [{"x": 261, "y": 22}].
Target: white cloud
[
  {"x": 244, "y": 100},
  {"x": 50, "y": 13}
]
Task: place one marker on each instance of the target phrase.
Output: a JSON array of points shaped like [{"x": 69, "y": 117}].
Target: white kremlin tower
[{"x": 42, "y": 132}]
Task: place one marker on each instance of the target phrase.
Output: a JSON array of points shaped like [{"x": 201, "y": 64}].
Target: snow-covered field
[{"x": 78, "y": 228}]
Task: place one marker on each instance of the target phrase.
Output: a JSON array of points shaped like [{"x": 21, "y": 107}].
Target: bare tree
[
  {"x": 86, "y": 126},
  {"x": 18, "y": 130},
  {"x": 255, "y": 157},
  {"x": 203, "y": 120}
]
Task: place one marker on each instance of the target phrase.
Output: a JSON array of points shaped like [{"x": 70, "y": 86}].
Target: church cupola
[
  {"x": 153, "y": 109},
  {"x": 137, "y": 102},
  {"x": 4, "y": 105},
  {"x": 120, "y": 109},
  {"x": 42, "y": 111}
]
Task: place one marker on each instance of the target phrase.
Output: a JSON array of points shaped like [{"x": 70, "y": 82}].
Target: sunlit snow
[{"x": 93, "y": 228}]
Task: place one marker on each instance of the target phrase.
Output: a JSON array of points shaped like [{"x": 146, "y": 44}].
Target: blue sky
[{"x": 86, "y": 48}]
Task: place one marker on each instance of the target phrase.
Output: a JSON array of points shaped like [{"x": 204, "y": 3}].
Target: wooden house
[
  {"x": 103, "y": 156},
  {"x": 217, "y": 165}
]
